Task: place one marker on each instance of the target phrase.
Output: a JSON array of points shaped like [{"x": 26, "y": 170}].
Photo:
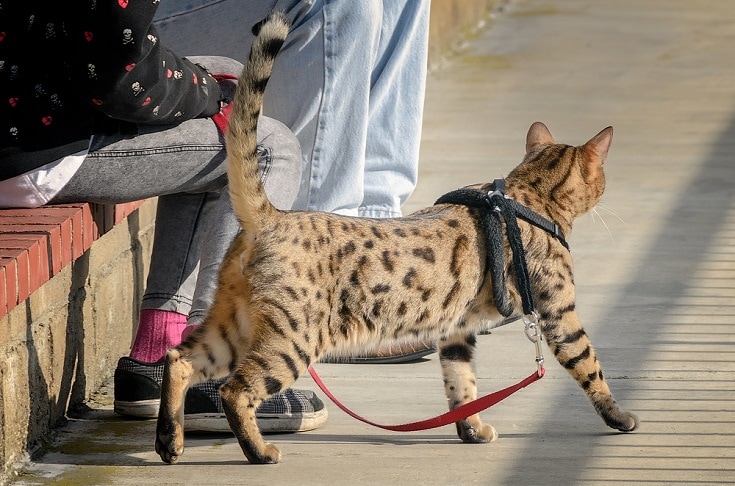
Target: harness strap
[
  {"x": 479, "y": 199},
  {"x": 495, "y": 204},
  {"x": 536, "y": 219},
  {"x": 513, "y": 232}
]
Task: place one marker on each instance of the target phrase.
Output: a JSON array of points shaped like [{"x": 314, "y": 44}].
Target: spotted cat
[{"x": 297, "y": 285}]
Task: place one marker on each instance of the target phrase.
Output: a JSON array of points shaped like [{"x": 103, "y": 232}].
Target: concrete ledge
[{"x": 62, "y": 342}]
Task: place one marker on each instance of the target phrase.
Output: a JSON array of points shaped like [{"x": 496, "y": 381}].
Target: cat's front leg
[
  {"x": 572, "y": 348},
  {"x": 170, "y": 427},
  {"x": 455, "y": 356}
]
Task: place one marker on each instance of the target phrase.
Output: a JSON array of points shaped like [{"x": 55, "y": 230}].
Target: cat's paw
[
  {"x": 169, "y": 444},
  {"x": 169, "y": 454},
  {"x": 477, "y": 434},
  {"x": 619, "y": 420},
  {"x": 269, "y": 455},
  {"x": 628, "y": 423}
]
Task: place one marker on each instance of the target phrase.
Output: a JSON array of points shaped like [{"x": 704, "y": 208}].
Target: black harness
[{"x": 495, "y": 205}]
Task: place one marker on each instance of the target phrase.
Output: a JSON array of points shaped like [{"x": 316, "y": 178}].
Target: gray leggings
[{"x": 185, "y": 166}]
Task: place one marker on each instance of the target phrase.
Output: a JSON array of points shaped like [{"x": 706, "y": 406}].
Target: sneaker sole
[
  {"x": 217, "y": 422},
  {"x": 143, "y": 409},
  {"x": 268, "y": 424}
]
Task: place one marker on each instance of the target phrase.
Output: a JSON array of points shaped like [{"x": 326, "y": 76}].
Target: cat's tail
[{"x": 249, "y": 201}]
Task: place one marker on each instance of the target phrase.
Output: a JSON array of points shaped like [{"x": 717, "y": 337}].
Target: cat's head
[{"x": 572, "y": 178}]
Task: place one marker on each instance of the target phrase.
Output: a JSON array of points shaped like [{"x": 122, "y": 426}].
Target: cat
[{"x": 296, "y": 285}]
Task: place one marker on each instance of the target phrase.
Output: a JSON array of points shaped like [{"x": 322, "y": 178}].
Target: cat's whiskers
[
  {"x": 614, "y": 213},
  {"x": 594, "y": 212}
]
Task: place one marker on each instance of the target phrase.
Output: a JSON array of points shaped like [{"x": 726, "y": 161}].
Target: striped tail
[{"x": 249, "y": 201}]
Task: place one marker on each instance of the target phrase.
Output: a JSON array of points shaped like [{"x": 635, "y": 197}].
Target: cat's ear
[
  {"x": 599, "y": 145},
  {"x": 538, "y": 134}
]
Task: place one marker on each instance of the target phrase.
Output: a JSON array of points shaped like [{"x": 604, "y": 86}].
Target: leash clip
[{"x": 533, "y": 333}]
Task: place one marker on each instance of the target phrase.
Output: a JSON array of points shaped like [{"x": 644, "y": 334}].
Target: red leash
[
  {"x": 459, "y": 413},
  {"x": 533, "y": 334}
]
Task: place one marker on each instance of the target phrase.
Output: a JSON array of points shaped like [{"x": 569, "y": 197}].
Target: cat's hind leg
[
  {"x": 456, "y": 356},
  {"x": 267, "y": 369}
]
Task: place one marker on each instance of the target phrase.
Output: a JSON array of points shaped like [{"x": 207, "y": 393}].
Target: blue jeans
[
  {"x": 185, "y": 166},
  {"x": 349, "y": 82}
]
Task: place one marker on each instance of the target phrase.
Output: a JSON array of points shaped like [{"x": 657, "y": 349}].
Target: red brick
[
  {"x": 24, "y": 278},
  {"x": 38, "y": 263},
  {"x": 88, "y": 227},
  {"x": 54, "y": 238},
  {"x": 29, "y": 227},
  {"x": 77, "y": 235},
  {"x": 122, "y": 211},
  {"x": 18, "y": 240},
  {"x": 39, "y": 216},
  {"x": 11, "y": 252},
  {"x": 10, "y": 266},
  {"x": 66, "y": 250},
  {"x": 45, "y": 257},
  {"x": 3, "y": 291},
  {"x": 33, "y": 249},
  {"x": 17, "y": 212},
  {"x": 76, "y": 213}
]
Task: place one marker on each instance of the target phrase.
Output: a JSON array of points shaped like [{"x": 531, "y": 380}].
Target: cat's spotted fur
[{"x": 297, "y": 285}]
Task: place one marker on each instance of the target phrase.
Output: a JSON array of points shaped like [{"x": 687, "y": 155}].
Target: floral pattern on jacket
[{"x": 68, "y": 68}]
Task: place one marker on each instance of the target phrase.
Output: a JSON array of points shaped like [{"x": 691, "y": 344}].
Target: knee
[{"x": 218, "y": 64}]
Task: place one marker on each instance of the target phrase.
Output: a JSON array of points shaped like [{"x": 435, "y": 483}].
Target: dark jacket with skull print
[{"x": 71, "y": 69}]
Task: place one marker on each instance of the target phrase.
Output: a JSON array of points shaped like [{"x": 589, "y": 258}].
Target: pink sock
[
  {"x": 188, "y": 330},
  {"x": 158, "y": 330}
]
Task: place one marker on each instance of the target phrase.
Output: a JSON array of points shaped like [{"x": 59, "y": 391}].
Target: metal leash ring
[{"x": 533, "y": 333}]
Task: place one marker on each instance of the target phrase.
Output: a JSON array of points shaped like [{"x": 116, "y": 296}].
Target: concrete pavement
[{"x": 655, "y": 274}]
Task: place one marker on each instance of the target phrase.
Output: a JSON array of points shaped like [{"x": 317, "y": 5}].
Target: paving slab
[{"x": 654, "y": 269}]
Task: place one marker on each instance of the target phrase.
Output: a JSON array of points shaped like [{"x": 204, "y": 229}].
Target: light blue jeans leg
[
  {"x": 357, "y": 115},
  {"x": 396, "y": 108},
  {"x": 349, "y": 82},
  {"x": 327, "y": 103}
]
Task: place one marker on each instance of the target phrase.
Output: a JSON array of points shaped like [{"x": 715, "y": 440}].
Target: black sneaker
[{"x": 138, "y": 394}]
